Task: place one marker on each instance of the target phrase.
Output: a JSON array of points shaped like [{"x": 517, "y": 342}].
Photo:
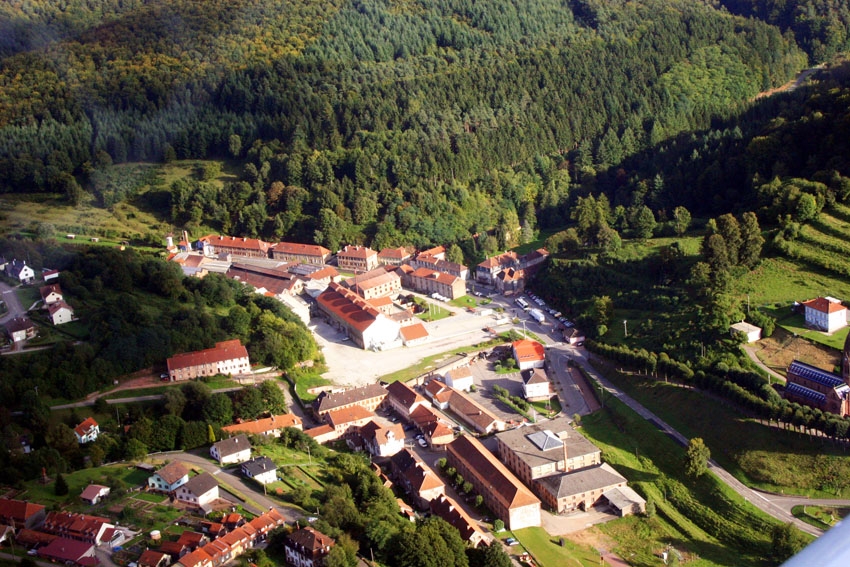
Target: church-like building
[{"x": 820, "y": 388}]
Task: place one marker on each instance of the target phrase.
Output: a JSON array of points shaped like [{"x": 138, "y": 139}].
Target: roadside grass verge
[
  {"x": 767, "y": 458},
  {"x": 821, "y": 517}
]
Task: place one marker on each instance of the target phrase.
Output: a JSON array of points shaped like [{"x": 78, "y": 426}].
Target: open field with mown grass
[
  {"x": 124, "y": 475},
  {"x": 548, "y": 551},
  {"x": 767, "y": 458}
]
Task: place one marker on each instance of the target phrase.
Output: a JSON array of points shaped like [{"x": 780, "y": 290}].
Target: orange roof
[
  {"x": 236, "y": 243},
  {"x": 264, "y": 425},
  {"x": 224, "y": 350},
  {"x": 503, "y": 484},
  {"x": 405, "y": 395},
  {"x": 328, "y": 272},
  {"x": 413, "y": 332},
  {"x": 48, "y": 289},
  {"x": 373, "y": 278},
  {"x": 526, "y": 350},
  {"x": 435, "y": 251},
  {"x": 195, "y": 558},
  {"x": 824, "y": 305},
  {"x": 357, "y": 312},
  {"x": 350, "y": 414},
  {"x": 442, "y": 277},
  {"x": 361, "y": 252},
  {"x": 319, "y": 430},
  {"x": 295, "y": 248},
  {"x": 395, "y": 253},
  {"x": 17, "y": 511},
  {"x": 86, "y": 426}
]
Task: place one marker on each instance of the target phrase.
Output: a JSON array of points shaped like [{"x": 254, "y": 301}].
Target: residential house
[
  {"x": 573, "y": 335},
  {"x": 375, "y": 283},
  {"x": 587, "y": 487},
  {"x": 213, "y": 530},
  {"x": 528, "y": 354},
  {"x": 302, "y": 253},
  {"x": 751, "y": 332},
  {"x": 233, "y": 520},
  {"x": 266, "y": 522},
  {"x": 322, "y": 433},
  {"x": 227, "y": 357},
  {"x": 535, "y": 385},
  {"x": 199, "y": 491},
  {"x": 347, "y": 421},
  {"x": 825, "y": 314},
  {"x": 523, "y": 267},
  {"x": 19, "y": 270},
  {"x": 69, "y": 552},
  {"x": 94, "y": 493},
  {"x": 49, "y": 275},
  {"x": 239, "y": 540},
  {"x": 437, "y": 434},
  {"x": 307, "y": 548},
  {"x": 438, "y": 263},
  {"x": 20, "y": 329},
  {"x": 231, "y": 450},
  {"x": 153, "y": 558},
  {"x": 80, "y": 527},
  {"x": 214, "y": 245},
  {"x": 403, "y": 399},
  {"x": 425, "y": 280},
  {"x": 393, "y": 256},
  {"x": 21, "y": 514},
  {"x": 218, "y": 551},
  {"x": 357, "y": 259},
  {"x": 382, "y": 441},
  {"x": 193, "y": 540},
  {"x": 173, "y": 549},
  {"x": 169, "y": 478},
  {"x": 510, "y": 281},
  {"x": 542, "y": 449},
  {"x": 60, "y": 313},
  {"x": 438, "y": 252},
  {"x": 87, "y": 431},
  {"x": 197, "y": 558},
  {"x": 32, "y": 539},
  {"x": 459, "y": 378},
  {"x": 412, "y": 335},
  {"x": 51, "y": 294},
  {"x": 503, "y": 493},
  {"x": 261, "y": 469},
  {"x": 369, "y": 397},
  {"x": 269, "y": 426},
  {"x": 365, "y": 324},
  {"x": 487, "y": 270},
  {"x": 416, "y": 478},
  {"x": 449, "y": 510}
]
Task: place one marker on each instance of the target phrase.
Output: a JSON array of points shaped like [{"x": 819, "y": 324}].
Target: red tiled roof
[
  {"x": 470, "y": 411},
  {"x": 48, "y": 289},
  {"x": 92, "y": 491},
  {"x": 54, "y": 308},
  {"x": 172, "y": 472},
  {"x": 824, "y": 305},
  {"x": 150, "y": 558},
  {"x": 501, "y": 260},
  {"x": 510, "y": 275},
  {"x": 295, "y": 248},
  {"x": 405, "y": 395},
  {"x": 359, "y": 313},
  {"x": 360, "y": 252},
  {"x": 328, "y": 272},
  {"x": 399, "y": 253},
  {"x": 31, "y": 538},
  {"x": 373, "y": 278},
  {"x": 319, "y": 430},
  {"x": 429, "y": 274},
  {"x": 86, "y": 426},
  {"x": 413, "y": 332},
  {"x": 224, "y": 350},
  {"x": 379, "y": 433},
  {"x": 528, "y": 350},
  {"x": 195, "y": 558},
  {"x": 350, "y": 414},
  {"x": 236, "y": 243},
  {"x": 17, "y": 511},
  {"x": 451, "y": 512},
  {"x": 264, "y": 425},
  {"x": 435, "y": 251},
  {"x": 422, "y": 415},
  {"x": 64, "y": 549}
]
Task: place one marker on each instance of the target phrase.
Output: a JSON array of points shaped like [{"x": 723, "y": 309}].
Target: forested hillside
[{"x": 394, "y": 122}]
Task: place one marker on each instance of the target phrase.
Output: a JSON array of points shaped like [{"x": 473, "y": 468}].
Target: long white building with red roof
[
  {"x": 235, "y": 246},
  {"x": 227, "y": 357},
  {"x": 303, "y": 253}
]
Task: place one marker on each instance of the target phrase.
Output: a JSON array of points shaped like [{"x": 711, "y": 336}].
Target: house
[
  {"x": 261, "y": 469},
  {"x": 573, "y": 335},
  {"x": 475, "y": 416},
  {"x": 357, "y": 259},
  {"x": 197, "y": 558},
  {"x": 487, "y": 270},
  {"x": 239, "y": 540},
  {"x": 541, "y": 449},
  {"x": 169, "y": 478},
  {"x": 94, "y": 493},
  {"x": 153, "y": 558},
  {"x": 301, "y": 253},
  {"x": 528, "y": 354},
  {"x": 369, "y": 397},
  {"x": 438, "y": 263},
  {"x": 456, "y": 516},
  {"x": 818, "y": 388},
  {"x": 416, "y": 478},
  {"x": 80, "y": 527},
  {"x": 521, "y": 267},
  {"x": 393, "y": 256},
  {"x": 375, "y": 283},
  {"x": 439, "y": 393},
  {"x": 266, "y": 522},
  {"x": 21, "y": 514},
  {"x": 32, "y": 539},
  {"x": 227, "y": 357},
  {"x": 19, "y": 270},
  {"x": 69, "y": 552},
  {"x": 269, "y": 426},
  {"x": 437, "y": 434},
  {"x": 51, "y": 294},
  {"x": 193, "y": 540},
  {"x": 48, "y": 275},
  {"x": 364, "y": 323},
  {"x": 825, "y": 314},
  {"x": 504, "y": 494},
  {"x": 459, "y": 378},
  {"x": 403, "y": 399},
  {"x": 20, "y": 329},
  {"x": 173, "y": 549},
  {"x": 535, "y": 385},
  {"x": 199, "y": 491},
  {"x": 382, "y": 441},
  {"x": 412, "y": 335},
  {"x": 307, "y": 548},
  {"x": 347, "y": 421},
  {"x": 510, "y": 281},
  {"x": 751, "y": 332},
  {"x": 60, "y": 313},
  {"x": 322, "y": 433},
  {"x": 213, "y": 530},
  {"x": 428, "y": 281},
  {"x": 87, "y": 431},
  {"x": 232, "y": 450},
  {"x": 213, "y": 245},
  {"x": 585, "y": 488}
]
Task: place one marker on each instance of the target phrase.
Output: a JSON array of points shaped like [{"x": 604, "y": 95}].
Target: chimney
[{"x": 564, "y": 442}]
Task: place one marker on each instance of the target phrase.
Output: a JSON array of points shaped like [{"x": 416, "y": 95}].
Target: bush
[{"x": 498, "y": 525}]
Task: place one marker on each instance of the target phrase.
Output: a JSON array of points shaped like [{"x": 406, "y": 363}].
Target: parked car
[
  {"x": 511, "y": 541},
  {"x": 422, "y": 442}
]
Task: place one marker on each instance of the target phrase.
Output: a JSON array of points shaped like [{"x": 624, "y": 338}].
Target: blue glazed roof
[
  {"x": 815, "y": 374},
  {"x": 803, "y": 392}
]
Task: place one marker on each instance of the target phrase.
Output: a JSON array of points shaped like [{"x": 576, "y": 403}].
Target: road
[
  {"x": 13, "y": 304},
  {"x": 777, "y": 506},
  {"x": 752, "y": 354},
  {"x": 132, "y": 399}
]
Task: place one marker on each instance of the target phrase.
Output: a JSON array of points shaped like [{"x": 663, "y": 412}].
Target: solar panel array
[
  {"x": 803, "y": 392},
  {"x": 815, "y": 374}
]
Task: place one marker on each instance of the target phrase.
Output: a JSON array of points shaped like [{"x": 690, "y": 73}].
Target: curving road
[
  {"x": 775, "y": 505},
  {"x": 752, "y": 354},
  {"x": 13, "y": 304}
]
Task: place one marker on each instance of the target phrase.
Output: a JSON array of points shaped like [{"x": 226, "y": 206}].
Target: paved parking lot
[{"x": 484, "y": 376}]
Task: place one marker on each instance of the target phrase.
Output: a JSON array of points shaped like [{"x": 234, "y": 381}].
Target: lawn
[
  {"x": 548, "y": 408},
  {"x": 28, "y": 295},
  {"x": 304, "y": 382},
  {"x": 464, "y": 302},
  {"x": 548, "y": 552},
  {"x": 150, "y": 497},
  {"x": 285, "y": 456},
  {"x": 820, "y": 516},
  {"x": 782, "y": 280},
  {"x": 795, "y": 323},
  {"x": 768, "y": 458},
  {"x": 434, "y": 312},
  {"x": 78, "y": 480}
]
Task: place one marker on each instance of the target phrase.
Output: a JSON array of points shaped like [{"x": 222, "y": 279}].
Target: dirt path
[{"x": 793, "y": 84}]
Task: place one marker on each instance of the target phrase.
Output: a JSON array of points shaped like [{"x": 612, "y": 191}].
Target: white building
[
  {"x": 261, "y": 469},
  {"x": 752, "y": 332},
  {"x": 233, "y": 450},
  {"x": 535, "y": 385},
  {"x": 199, "y": 491},
  {"x": 825, "y": 314},
  {"x": 87, "y": 431},
  {"x": 459, "y": 378},
  {"x": 60, "y": 313},
  {"x": 227, "y": 357}
]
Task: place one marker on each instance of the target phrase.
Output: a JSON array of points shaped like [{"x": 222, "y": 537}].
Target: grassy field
[
  {"x": 305, "y": 382},
  {"x": 434, "y": 312},
  {"x": 78, "y": 480},
  {"x": 550, "y": 553},
  {"x": 28, "y": 295},
  {"x": 820, "y": 516},
  {"x": 768, "y": 458},
  {"x": 464, "y": 302},
  {"x": 795, "y": 323}
]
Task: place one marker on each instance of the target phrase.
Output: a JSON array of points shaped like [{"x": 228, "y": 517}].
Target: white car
[{"x": 422, "y": 443}]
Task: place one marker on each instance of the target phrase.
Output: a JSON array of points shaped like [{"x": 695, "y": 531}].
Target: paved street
[{"x": 13, "y": 304}]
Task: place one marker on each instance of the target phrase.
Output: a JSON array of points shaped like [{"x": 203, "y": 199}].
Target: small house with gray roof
[
  {"x": 585, "y": 488},
  {"x": 169, "y": 478},
  {"x": 232, "y": 450}
]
